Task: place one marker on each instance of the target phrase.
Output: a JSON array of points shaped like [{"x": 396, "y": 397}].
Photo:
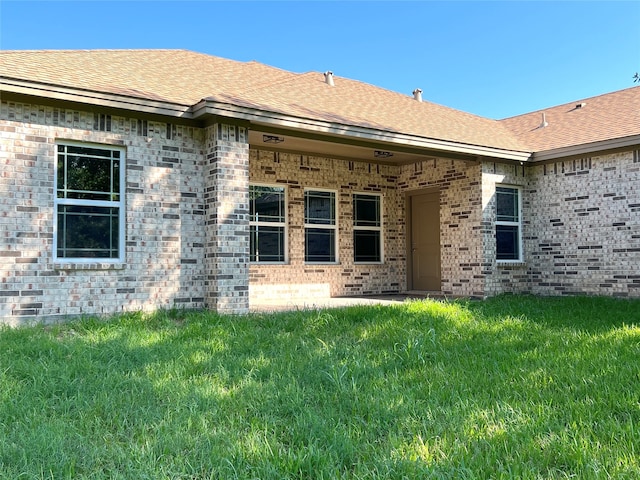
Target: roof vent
[
  {"x": 417, "y": 94},
  {"x": 328, "y": 78},
  {"x": 581, "y": 105},
  {"x": 544, "y": 121}
]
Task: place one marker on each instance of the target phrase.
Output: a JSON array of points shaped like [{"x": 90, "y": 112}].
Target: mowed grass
[{"x": 512, "y": 387}]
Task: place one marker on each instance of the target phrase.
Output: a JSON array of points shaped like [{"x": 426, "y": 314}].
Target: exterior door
[{"x": 425, "y": 241}]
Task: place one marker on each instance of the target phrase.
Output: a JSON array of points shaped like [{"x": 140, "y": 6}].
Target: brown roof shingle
[
  {"x": 183, "y": 77},
  {"x": 605, "y": 117}
]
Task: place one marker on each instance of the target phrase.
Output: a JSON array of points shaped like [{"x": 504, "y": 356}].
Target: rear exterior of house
[{"x": 263, "y": 184}]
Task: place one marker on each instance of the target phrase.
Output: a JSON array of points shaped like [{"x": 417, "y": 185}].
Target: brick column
[{"x": 227, "y": 219}]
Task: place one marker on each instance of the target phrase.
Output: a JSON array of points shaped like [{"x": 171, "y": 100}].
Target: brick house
[{"x": 144, "y": 179}]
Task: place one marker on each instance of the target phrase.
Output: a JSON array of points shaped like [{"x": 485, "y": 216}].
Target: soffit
[{"x": 333, "y": 147}]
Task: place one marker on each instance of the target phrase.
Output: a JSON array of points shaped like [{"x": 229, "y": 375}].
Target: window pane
[
  {"x": 267, "y": 244},
  {"x": 507, "y": 204},
  {"x": 266, "y": 204},
  {"x": 366, "y": 245},
  {"x": 88, "y": 178},
  {"x": 320, "y": 245},
  {"x": 366, "y": 210},
  {"x": 507, "y": 242},
  {"x": 88, "y": 173},
  {"x": 319, "y": 208},
  {"x": 87, "y": 232}
]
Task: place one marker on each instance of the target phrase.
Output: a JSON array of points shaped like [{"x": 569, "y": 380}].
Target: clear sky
[{"x": 495, "y": 59}]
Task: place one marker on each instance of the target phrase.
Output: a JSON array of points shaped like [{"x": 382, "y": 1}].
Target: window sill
[
  {"x": 89, "y": 266},
  {"x": 511, "y": 263}
]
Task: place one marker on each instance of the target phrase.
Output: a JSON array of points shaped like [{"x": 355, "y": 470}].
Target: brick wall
[
  {"x": 460, "y": 188},
  {"x": 460, "y": 219},
  {"x": 227, "y": 219},
  {"x": 297, "y": 279},
  {"x": 165, "y": 233},
  {"x": 503, "y": 277},
  {"x": 584, "y": 232},
  {"x": 187, "y": 221}
]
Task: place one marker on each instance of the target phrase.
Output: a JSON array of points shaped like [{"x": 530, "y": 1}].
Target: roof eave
[
  {"x": 90, "y": 97},
  {"x": 252, "y": 115},
  {"x": 259, "y": 117},
  {"x": 621, "y": 143}
]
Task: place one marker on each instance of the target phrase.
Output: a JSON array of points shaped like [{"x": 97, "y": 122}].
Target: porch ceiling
[{"x": 343, "y": 148}]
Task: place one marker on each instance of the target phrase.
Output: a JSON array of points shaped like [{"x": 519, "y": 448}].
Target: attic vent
[
  {"x": 417, "y": 94},
  {"x": 544, "y": 122},
  {"x": 102, "y": 122},
  {"x": 328, "y": 78},
  {"x": 581, "y": 105}
]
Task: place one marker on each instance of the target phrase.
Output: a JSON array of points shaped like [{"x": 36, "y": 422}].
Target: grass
[{"x": 513, "y": 387}]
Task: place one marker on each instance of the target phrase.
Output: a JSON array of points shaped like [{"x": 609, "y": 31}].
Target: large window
[
  {"x": 367, "y": 228},
  {"x": 89, "y": 203},
  {"x": 267, "y": 223},
  {"x": 320, "y": 238},
  {"x": 508, "y": 224}
]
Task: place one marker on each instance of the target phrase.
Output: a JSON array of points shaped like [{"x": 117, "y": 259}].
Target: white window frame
[
  {"x": 333, "y": 226},
  {"x": 119, "y": 204},
  {"x": 512, "y": 224},
  {"x": 379, "y": 228},
  {"x": 258, "y": 223}
]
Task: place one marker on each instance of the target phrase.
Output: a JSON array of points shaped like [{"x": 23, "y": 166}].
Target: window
[
  {"x": 267, "y": 223},
  {"x": 320, "y": 226},
  {"x": 508, "y": 224},
  {"x": 367, "y": 228},
  {"x": 89, "y": 203}
]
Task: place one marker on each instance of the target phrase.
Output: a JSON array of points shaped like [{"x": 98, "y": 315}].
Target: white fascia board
[
  {"x": 586, "y": 148},
  {"x": 275, "y": 119},
  {"x": 89, "y": 97}
]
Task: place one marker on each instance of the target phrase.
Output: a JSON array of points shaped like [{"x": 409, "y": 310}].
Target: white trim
[
  {"x": 518, "y": 224},
  {"x": 284, "y": 224},
  {"x": 120, "y": 204},
  {"x": 379, "y": 228},
  {"x": 334, "y": 226}
]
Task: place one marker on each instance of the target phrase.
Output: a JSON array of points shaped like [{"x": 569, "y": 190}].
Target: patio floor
[{"x": 279, "y": 305}]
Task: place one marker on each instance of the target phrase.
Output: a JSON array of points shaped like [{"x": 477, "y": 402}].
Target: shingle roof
[
  {"x": 176, "y": 76},
  {"x": 184, "y": 77},
  {"x": 605, "y": 117}
]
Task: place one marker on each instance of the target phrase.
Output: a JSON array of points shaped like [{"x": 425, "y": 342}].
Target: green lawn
[{"x": 512, "y": 387}]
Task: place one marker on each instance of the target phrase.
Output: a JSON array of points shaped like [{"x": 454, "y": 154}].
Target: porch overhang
[{"x": 320, "y": 134}]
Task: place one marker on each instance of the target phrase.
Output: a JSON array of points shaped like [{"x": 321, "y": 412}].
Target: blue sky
[{"x": 494, "y": 59}]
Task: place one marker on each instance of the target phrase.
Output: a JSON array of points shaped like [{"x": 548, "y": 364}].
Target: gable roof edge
[{"x": 622, "y": 143}]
